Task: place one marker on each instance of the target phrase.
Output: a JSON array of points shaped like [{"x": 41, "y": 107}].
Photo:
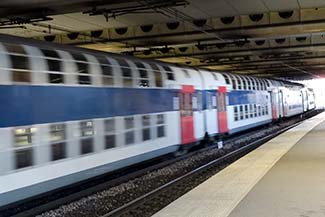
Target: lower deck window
[
  {"x": 246, "y": 111},
  {"x": 57, "y": 138},
  {"x": 160, "y": 125},
  {"x": 87, "y": 145},
  {"x": 235, "y": 113},
  {"x": 58, "y": 151},
  {"x": 241, "y": 112},
  {"x": 24, "y": 158},
  {"x": 251, "y": 111},
  {"x": 109, "y": 141},
  {"x": 129, "y": 130},
  {"x": 23, "y": 149},
  {"x": 146, "y": 128},
  {"x": 87, "y": 133},
  {"x": 109, "y": 125},
  {"x": 129, "y": 138}
]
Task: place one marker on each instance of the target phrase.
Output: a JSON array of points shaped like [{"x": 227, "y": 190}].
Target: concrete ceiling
[{"x": 270, "y": 38}]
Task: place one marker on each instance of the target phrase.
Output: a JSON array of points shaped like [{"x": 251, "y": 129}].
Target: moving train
[{"x": 68, "y": 114}]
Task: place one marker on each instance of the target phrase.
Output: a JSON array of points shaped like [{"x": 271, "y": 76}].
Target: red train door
[
  {"x": 274, "y": 105},
  {"x": 222, "y": 110},
  {"x": 186, "y": 109}
]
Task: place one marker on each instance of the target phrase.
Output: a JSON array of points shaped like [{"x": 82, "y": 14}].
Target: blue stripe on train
[{"x": 26, "y": 105}]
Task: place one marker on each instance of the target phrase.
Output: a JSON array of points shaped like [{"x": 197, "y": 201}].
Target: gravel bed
[{"x": 107, "y": 200}]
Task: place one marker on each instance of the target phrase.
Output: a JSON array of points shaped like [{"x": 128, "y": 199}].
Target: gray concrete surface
[{"x": 295, "y": 186}]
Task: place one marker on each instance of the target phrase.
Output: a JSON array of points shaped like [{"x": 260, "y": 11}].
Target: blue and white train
[{"x": 68, "y": 114}]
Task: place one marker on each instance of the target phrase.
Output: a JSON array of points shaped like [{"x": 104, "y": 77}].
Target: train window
[
  {"x": 109, "y": 133},
  {"x": 186, "y": 104},
  {"x": 255, "y": 110},
  {"x": 259, "y": 84},
  {"x": 57, "y": 139},
  {"x": 158, "y": 77},
  {"x": 266, "y": 110},
  {"x": 126, "y": 73},
  {"x": 143, "y": 81},
  {"x": 160, "y": 125},
  {"x": 170, "y": 74},
  {"x": 146, "y": 128},
  {"x": 259, "y": 110},
  {"x": 241, "y": 109},
  {"x": 262, "y": 110},
  {"x": 129, "y": 130},
  {"x": 262, "y": 84},
  {"x": 83, "y": 72},
  {"x": 107, "y": 71},
  {"x": 23, "y": 158},
  {"x": 267, "y": 83},
  {"x": 19, "y": 62},
  {"x": 54, "y": 65},
  {"x": 23, "y": 138},
  {"x": 209, "y": 100},
  {"x": 234, "y": 85},
  {"x": 57, "y": 132},
  {"x": 239, "y": 83},
  {"x": 82, "y": 69},
  {"x": 246, "y": 111},
  {"x": 226, "y": 79},
  {"x": 199, "y": 101},
  {"x": 20, "y": 69},
  {"x": 251, "y": 112},
  {"x": 244, "y": 83},
  {"x": 235, "y": 113},
  {"x": 87, "y": 133},
  {"x": 249, "y": 86},
  {"x": 253, "y": 84}
]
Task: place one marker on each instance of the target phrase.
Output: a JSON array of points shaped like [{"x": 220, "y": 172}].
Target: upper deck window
[
  {"x": 170, "y": 74},
  {"x": 55, "y": 75},
  {"x": 239, "y": 82},
  {"x": 249, "y": 86},
  {"x": 82, "y": 69},
  {"x": 226, "y": 78},
  {"x": 126, "y": 73},
  {"x": 234, "y": 83},
  {"x": 107, "y": 71},
  {"x": 244, "y": 83},
  {"x": 157, "y": 73},
  {"x": 20, "y": 63},
  {"x": 143, "y": 81}
]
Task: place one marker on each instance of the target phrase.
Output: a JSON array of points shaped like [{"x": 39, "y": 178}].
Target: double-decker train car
[{"x": 69, "y": 114}]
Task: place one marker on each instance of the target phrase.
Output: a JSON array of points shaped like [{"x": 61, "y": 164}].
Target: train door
[
  {"x": 186, "y": 109},
  {"x": 274, "y": 103},
  {"x": 222, "y": 110},
  {"x": 281, "y": 104}
]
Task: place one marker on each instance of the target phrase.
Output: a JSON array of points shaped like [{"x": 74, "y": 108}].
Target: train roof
[{"x": 69, "y": 48}]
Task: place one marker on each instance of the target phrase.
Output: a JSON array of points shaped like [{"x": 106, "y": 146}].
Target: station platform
[{"x": 283, "y": 178}]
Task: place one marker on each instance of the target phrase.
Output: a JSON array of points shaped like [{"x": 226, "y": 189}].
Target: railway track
[
  {"x": 144, "y": 192},
  {"x": 160, "y": 197}
]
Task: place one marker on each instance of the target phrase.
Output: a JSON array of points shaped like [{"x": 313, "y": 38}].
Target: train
[{"x": 68, "y": 114}]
